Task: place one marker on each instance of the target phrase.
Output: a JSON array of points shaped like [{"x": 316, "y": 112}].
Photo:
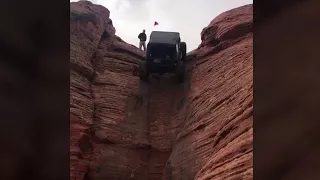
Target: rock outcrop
[
  {"x": 122, "y": 128},
  {"x": 101, "y": 88},
  {"x": 218, "y": 132}
]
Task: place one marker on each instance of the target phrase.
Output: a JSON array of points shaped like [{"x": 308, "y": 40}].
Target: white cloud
[{"x": 188, "y": 17}]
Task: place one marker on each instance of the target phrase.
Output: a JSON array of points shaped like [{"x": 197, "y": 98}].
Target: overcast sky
[{"x": 188, "y": 17}]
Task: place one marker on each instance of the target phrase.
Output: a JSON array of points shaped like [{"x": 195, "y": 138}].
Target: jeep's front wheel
[
  {"x": 180, "y": 72},
  {"x": 143, "y": 72}
]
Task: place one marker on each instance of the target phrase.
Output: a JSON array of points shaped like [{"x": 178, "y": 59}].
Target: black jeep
[{"x": 165, "y": 54}]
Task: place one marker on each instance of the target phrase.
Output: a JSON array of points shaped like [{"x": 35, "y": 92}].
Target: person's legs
[
  {"x": 144, "y": 46},
  {"x": 140, "y": 45}
]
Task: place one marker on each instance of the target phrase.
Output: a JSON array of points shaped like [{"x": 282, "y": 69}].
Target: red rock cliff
[{"x": 124, "y": 129}]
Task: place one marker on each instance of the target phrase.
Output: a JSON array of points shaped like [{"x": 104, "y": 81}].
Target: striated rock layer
[
  {"x": 101, "y": 89},
  {"x": 217, "y": 135},
  {"x": 122, "y": 128}
]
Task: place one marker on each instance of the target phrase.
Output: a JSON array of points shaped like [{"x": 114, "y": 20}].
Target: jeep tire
[
  {"x": 180, "y": 72},
  {"x": 183, "y": 49}
]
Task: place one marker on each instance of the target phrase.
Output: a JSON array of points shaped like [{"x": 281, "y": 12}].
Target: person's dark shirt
[{"x": 142, "y": 37}]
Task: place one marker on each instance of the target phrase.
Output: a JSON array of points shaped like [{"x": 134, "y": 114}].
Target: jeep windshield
[{"x": 162, "y": 51}]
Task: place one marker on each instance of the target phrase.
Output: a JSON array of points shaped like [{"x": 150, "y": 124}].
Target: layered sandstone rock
[
  {"x": 122, "y": 128},
  {"x": 216, "y": 138},
  {"x": 101, "y": 83}
]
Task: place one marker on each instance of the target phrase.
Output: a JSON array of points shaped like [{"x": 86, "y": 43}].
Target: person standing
[{"x": 143, "y": 38}]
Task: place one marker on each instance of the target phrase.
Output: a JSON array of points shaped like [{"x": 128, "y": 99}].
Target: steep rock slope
[
  {"x": 101, "y": 83},
  {"x": 122, "y": 128},
  {"x": 216, "y": 140}
]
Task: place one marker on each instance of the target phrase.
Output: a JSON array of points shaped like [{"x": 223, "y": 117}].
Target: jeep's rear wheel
[
  {"x": 183, "y": 49},
  {"x": 143, "y": 72},
  {"x": 180, "y": 72}
]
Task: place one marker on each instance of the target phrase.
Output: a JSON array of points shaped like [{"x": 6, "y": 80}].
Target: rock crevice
[{"x": 122, "y": 128}]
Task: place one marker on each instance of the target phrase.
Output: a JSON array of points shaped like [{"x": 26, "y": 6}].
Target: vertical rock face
[
  {"x": 102, "y": 90},
  {"x": 216, "y": 138},
  {"x": 124, "y": 129}
]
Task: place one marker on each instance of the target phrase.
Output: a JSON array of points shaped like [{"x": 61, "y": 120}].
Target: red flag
[{"x": 156, "y": 23}]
